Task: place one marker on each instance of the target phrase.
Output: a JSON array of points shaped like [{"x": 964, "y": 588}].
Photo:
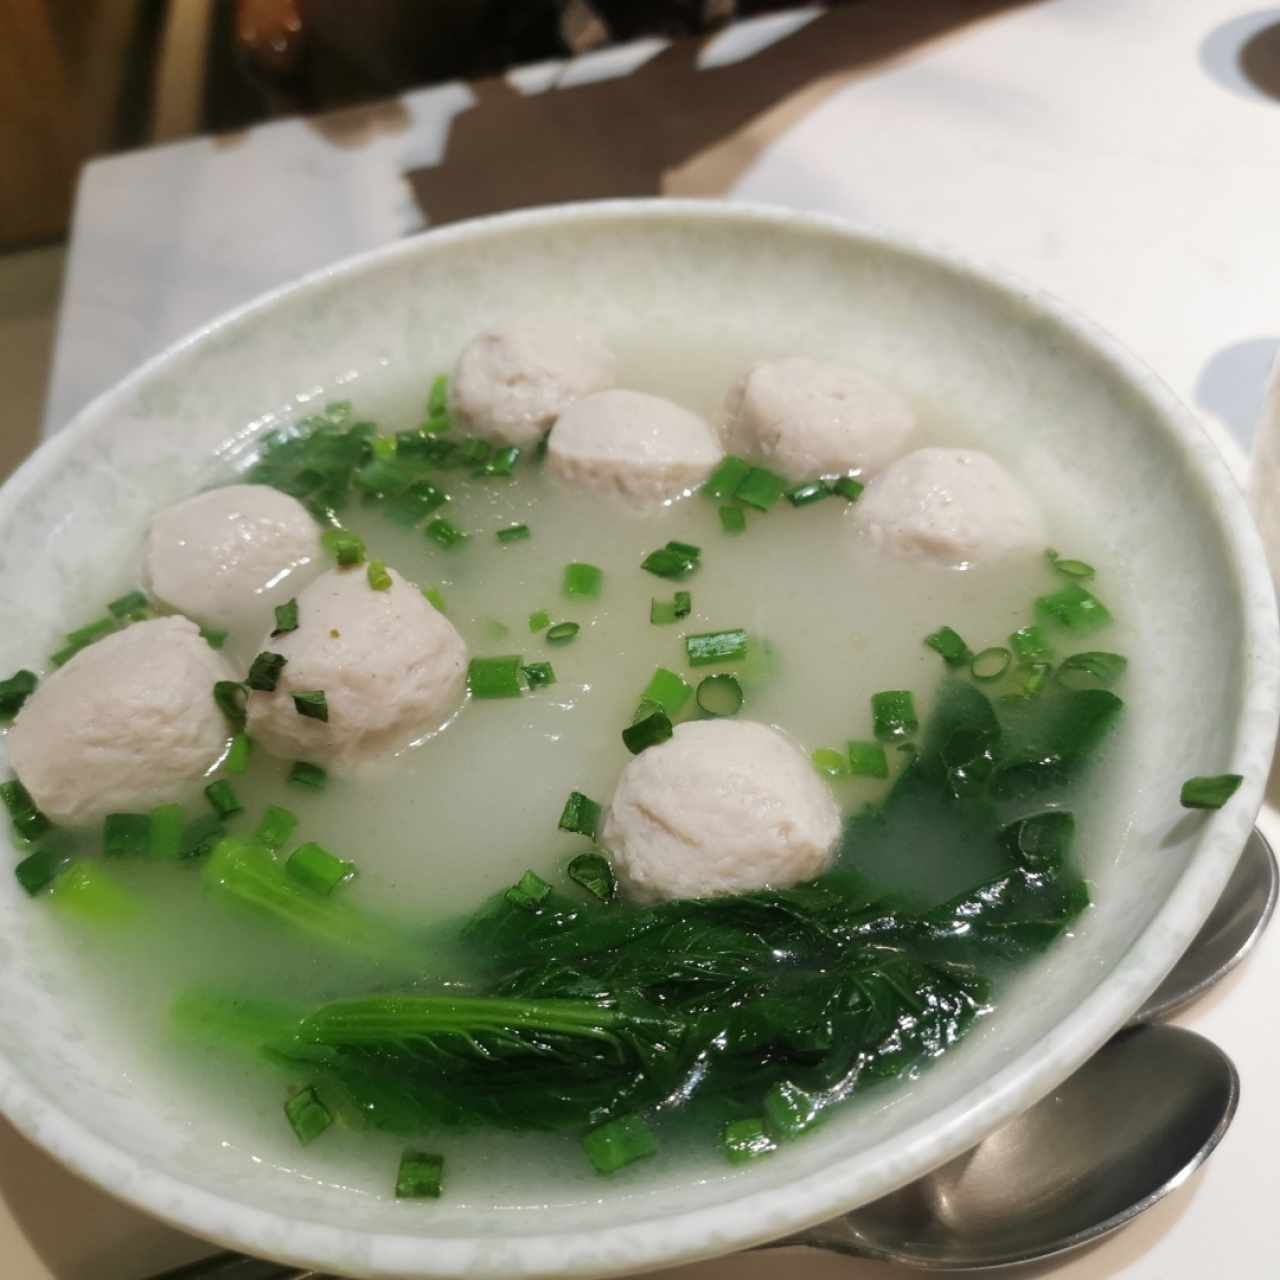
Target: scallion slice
[
  {"x": 947, "y": 642},
  {"x": 420, "y": 499},
  {"x": 1209, "y": 792},
  {"x": 27, "y": 820},
  {"x": 663, "y": 612},
  {"x": 275, "y": 828},
  {"x": 592, "y": 872},
  {"x": 830, "y": 763},
  {"x": 538, "y": 675},
  {"x": 38, "y": 869},
  {"x": 893, "y": 715},
  {"x": 126, "y": 835},
  {"x": 318, "y": 869},
  {"x": 264, "y": 671},
  {"x": 868, "y": 760},
  {"x": 716, "y": 646},
  {"x": 584, "y": 580},
  {"x": 667, "y": 690},
  {"x": 686, "y": 549},
  {"x": 1030, "y": 644},
  {"x": 495, "y": 677},
  {"x": 420, "y": 1176},
  {"x": 760, "y": 488},
  {"x": 1074, "y": 608},
  {"x": 732, "y": 519},
  {"x": 444, "y": 533},
  {"x": 15, "y": 690},
  {"x": 669, "y": 563},
  {"x": 990, "y": 664},
  {"x": 528, "y": 892},
  {"x": 789, "y": 1110},
  {"x": 618, "y": 1143},
  {"x": 134, "y": 602},
  {"x": 513, "y": 533},
  {"x": 84, "y": 636},
  {"x": 475, "y": 451},
  {"x": 682, "y": 603},
  {"x": 539, "y": 620},
  {"x": 311, "y": 703},
  {"x": 346, "y": 547},
  {"x": 434, "y": 599},
  {"x": 1089, "y": 670},
  {"x": 438, "y": 397},
  {"x": 502, "y": 462},
  {"x": 165, "y": 824},
  {"x": 745, "y": 1140},
  {"x": 379, "y": 578},
  {"x": 223, "y": 798},
  {"x": 308, "y": 1117},
  {"x": 725, "y": 479},
  {"x": 237, "y": 757},
  {"x": 1069, "y": 568},
  {"x": 1031, "y": 679},
  {"x": 213, "y": 638},
  {"x": 647, "y": 732},
  {"x": 305, "y": 774},
  {"x": 848, "y": 488},
  {"x": 201, "y": 834},
  {"x": 286, "y": 617},
  {"x": 230, "y": 695},
  {"x": 804, "y": 494},
  {"x": 720, "y": 695},
  {"x": 580, "y": 815},
  {"x": 562, "y": 632}
]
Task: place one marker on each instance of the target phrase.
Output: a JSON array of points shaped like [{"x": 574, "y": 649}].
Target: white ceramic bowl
[{"x": 966, "y": 341}]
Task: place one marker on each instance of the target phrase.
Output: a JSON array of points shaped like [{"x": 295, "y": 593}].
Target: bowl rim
[{"x": 771, "y": 1212}]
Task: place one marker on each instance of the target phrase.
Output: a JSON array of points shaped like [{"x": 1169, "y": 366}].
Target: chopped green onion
[
  {"x": 848, "y": 488},
  {"x": 760, "y": 488},
  {"x": 502, "y": 462},
  {"x": 308, "y": 1117},
  {"x": 311, "y": 703},
  {"x": 745, "y": 1140},
  {"x": 38, "y": 869},
  {"x": 1088, "y": 670},
  {"x": 346, "y": 547},
  {"x": 126, "y": 835},
  {"x": 420, "y": 499},
  {"x": 27, "y": 820},
  {"x": 804, "y": 494},
  {"x": 732, "y": 519},
  {"x": 317, "y": 868},
  {"x": 237, "y": 758},
  {"x": 445, "y": 534},
  {"x": 84, "y": 890},
  {"x": 653, "y": 729},
  {"x": 954, "y": 651},
  {"x": 592, "y": 872},
  {"x": 495, "y": 677},
  {"x": 1040, "y": 842},
  {"x": 129, "y": 604},
  {"x": 716, "y": 646},
  {"x": 286, "y": 617},
  {"x": 214, "y": 639},
  {"x": 379, "y": 578},
  {"x": 581, "y": 815},
  {"x": 434, "y": 599},
  {"x": 583, "y": 580},
  {"x": 496, "y": 628},
  {"x": 264, "y": 672},
  {"x": 893, "y": 714},
  {"x": 475, "y": 451},
  {"x": 686, "y": 549},
  {"x": 200, "y": 835},
  {"x": 438, "y": 397},
  {"x": 669, "y": 563},
  {"x": 1211, "y": 792},
  {"x": 1030, "y": 644},
  {"x": 528, "y": 892},
  {"x": 789, "y": 1110},
  {"x": 682, "y": 602},
  {"x": 15, "y": 690},
  {"x": 562, "y": 632},
  {"x": 513, "y": 533},
  {"x": 420, "y": 1176},
  {"x": 723, "y": 482},
  {"x": 868, "y": 760},
  {"x": 222, "y": 796},
  {"x": 1032, "y": 679},
  {"x": 990, "y": 664},
  {"x": 668, "y": 691},
  {"x": 94, "y": 631},
  {"x": 275, "y": 828},
  {"x": 305, "y": 774},
  {"x": 539, "y": 620},
  {"x": 538, "y": 675},
  {"x": 230, "y": 695},
  {"x": 830, "y": 762},
  {"x": 165, "y": 825},
  {"x": 618, "y": 1143},
  {"x": 1069, "y": 568},
  {"x": 1073, "y": 607},
  {"x": 720, "y": 695},
  {"x": 662, "y": 612}
]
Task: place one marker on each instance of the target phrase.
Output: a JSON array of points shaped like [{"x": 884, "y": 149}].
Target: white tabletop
[{"x": 1111, "y": 151}]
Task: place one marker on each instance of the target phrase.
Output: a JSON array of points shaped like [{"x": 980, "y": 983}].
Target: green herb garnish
[
  {"x": 311, "y": 865},
  {"x": 716, "y": 646},
  {"x": 893, "y": 714},
  {"x": 654, "y": 728},
  {"x": 720, "y": 695},
  {"x": 947, "y": 642},
  {"x": 264, "y": 672},
  {"x": 562, "y": 632},
  {"x": 286, "y": 617},
  {"x": 1209, "y": 792},
  {"x": 584, "y": 580},
  {"x": 311, "y": 703},
  {"x": 513, "y": 533},
  {"x": 495, "y": 677}
]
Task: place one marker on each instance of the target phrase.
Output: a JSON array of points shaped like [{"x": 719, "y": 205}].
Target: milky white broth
[{"x": 463, "y": 814}]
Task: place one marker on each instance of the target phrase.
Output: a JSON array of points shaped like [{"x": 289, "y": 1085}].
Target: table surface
[{"x": 1119, "y": 153}]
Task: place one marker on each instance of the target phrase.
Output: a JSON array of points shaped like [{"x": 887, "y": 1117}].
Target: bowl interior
[{"x": 1089, "y": 428}]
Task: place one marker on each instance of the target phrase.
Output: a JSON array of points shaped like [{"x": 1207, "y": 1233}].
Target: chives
[
  {"x": 1075, "y": 608},
  {"x": 682, "y": 602},
  {"x": 954, "y": 651},
  {"x": 275, "y": 828},
  {"x": 653, "y": 729},
  {"x": 581, "y": 815},
  {"x": 438, "y": 398},
  {"x": 165, "y": 824},
  {"x": 420, "y": 1176},
  {"x": 308, "y": 1117},
  {"x": 562, "y": 632},
  {"x": 990, "y": 664},
  {"x": 237, "y": 758},
  {"x": 27, "y": 820},
  {"x": 868, "y": 760},
  {"x": 1211, "y": 792},
  {"x": 583, "y": 580},
  {"x": 760, "y": 488},
  {"x": 537, "y": 675},
  {"x": 502, "y": 462},
  {"x": 94, "y": 631},
  {"x": 346, "y": 547},
  {"x": 667, "y": 562},
  {"x": 1033, "y": 678},
  {"x": 15, "y": 690},
  {"x": 1069, "y": 568},
  {"x": 126, "y": 605},
  {"x": 264, "y": 672},
  {"x": 848, "y": 488},
  {"x": 126, "y": 835},
  {"x": 1087, "y": 670},
  {"x": 445, "y": 534},
  {"x": 893, "y": 713},
  {"x": 286, "y": 617},
  {"x": 317, "y": 868},
  {"x": 662, "y": 612},
  {"x": 668, "y": 691},
  {"x": 305, "y": 774},
  {"x": 513, "y": 533},
  {"x": 313, "y": 704},
  {"x": 494, "y": 677},
  {"x": 528, "y": 892},
  {"x": 716, "y": 646},
  {"x": 720, "y": 695},
  {"x": 745, "y": 1140},
  {"x": 539, "y": 620},
  {"x": 618, "y": 1143},
  {"x": 725, "y": 479},
  {"x": 214, "y": 639},
  {"x": 804, "y": 494},
  {"x": 831, "y": 763},
  {"x": 1030, "y": 644},
  {"x": 379, "y": 578},
  {"x": 592, "y": 872},
  {"x": 475, "y": 451},
  {"x": 37, "y": 869},
  {"x": 200, "y": 835},
  {"x": 732, "y": 519},
  {"x": 686, "y": 549},
  {"x": 223, "y": 798},
  {"x": 231, "y": 696},
  {"x": 420, "y": 499}
]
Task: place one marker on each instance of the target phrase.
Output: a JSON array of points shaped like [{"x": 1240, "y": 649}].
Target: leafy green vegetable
[{"x": 1209, "y": 792}]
